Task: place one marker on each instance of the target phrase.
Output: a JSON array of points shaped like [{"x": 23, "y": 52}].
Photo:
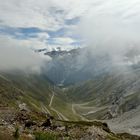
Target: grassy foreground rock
[{"x": 61, "y": 130}]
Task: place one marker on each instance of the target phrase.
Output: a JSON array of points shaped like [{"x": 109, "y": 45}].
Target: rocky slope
[{"x": 28, "y": 125}]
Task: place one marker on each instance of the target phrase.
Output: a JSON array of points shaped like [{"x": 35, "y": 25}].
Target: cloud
[
  {"x": 98, "y": 21},
  {"x": 15, "y": 55},
  {"x": 111, "y": 26},
  {"x": 63, "y": 40},
  {"x": 29, "y": 13},
  {"x": 45, "y": 15}
]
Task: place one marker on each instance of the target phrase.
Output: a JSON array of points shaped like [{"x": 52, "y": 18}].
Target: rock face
[
  {"x": 30, "y": 122},
  {"x": 22, "y": 117},
  {"x": 23, "y": 107},
  {"x": 47, "y": 123},
  {"x": 7, "y": 115}
]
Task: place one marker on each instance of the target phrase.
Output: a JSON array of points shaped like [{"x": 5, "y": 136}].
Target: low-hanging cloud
[
  {"x": 112, "y": 28},
  {"x": 112, "y": 25},
  {"x": 15, "y": 55}
]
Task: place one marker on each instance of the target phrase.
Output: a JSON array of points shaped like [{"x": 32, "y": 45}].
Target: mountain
[
  {"x": 76, "y": 86},
  {"x": 79, "y": 65},
  {"x": 110, "y": 97},
  {"x": 26, "y": 99},
  {"x": 36, "y": 91},
  {"x": 99, "y": 86},
  {"x": 75, "y": 66}
]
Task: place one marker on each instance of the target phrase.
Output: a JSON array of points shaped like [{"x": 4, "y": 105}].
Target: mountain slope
[
  {"x": 33, "y": 90},
  {"x": 118, "y": 91}
]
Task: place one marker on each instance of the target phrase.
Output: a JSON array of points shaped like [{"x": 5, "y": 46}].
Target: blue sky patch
[
  {"x": 59, "y": 33},
  {"x": 20, "y": 33},
  {"x": 72, "y": 21}
]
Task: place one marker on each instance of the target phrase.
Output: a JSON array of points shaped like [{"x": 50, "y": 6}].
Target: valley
[
  {"x": 69, "y": 70},
  {"x": 110, "y": 96}
]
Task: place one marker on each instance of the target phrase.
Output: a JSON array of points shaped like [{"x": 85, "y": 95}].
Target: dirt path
[
  {"x": 44, "y": 109},
  {"x": 60, "y": 115},
  {"x": 50, "y": 104},
  {"x": 75, "y": 113}
]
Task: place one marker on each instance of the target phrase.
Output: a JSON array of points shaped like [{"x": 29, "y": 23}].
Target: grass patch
[
  {"x": 45, "y": 136},
  {"x": 16, "y": 134},
  {"x": 64, "y": 108},
  {"x": 111, "y": 137},
  {"x": 101, "y": 125}
]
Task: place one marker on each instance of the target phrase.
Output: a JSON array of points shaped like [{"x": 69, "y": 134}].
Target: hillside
[
  {"x": 98, "y": 86},
  {"x": 114, "y": 97},
  {"x": 70, "y": 90},
  {"x": 36, "y": 91},
  {"x": 19, "y": 87},
  {"x": 27, "y": 99}
]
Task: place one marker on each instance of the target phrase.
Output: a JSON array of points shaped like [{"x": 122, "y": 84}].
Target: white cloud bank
[
  {"x": 101, "y": 20},
  {"x": 110, "y": 25},
  {"x": 15, "y": 55},
  {"x": 115, "y": 21}
]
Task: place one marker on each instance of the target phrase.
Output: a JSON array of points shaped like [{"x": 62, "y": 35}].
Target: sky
[
  {"x": 52, "y": 23},
  {"x": 38, "y": 24}
]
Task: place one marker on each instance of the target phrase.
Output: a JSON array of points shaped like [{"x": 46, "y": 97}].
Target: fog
[
  {"x": 15, "y": 55},
  {"x": 109, "y": 35},
  {"x": 112, "y": 28}
]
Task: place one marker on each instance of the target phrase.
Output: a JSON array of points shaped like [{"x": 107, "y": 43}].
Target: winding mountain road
[
  {"x": 75, "y": 113},
  {"x": 60, "y": 115},
  {"x": 44, "y": 109}
]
